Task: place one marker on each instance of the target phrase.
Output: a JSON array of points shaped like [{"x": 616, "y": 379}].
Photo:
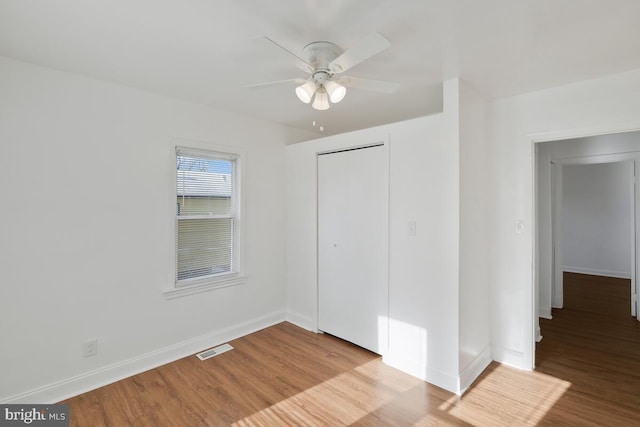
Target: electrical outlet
[{"x": 90, "y": 347}]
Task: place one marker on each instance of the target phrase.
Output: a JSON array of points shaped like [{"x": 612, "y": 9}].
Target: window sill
[{"x": 222, "y": 282}]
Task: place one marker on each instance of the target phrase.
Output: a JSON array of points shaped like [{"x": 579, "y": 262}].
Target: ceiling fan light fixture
[
  {"x": 323, "y": 61},
  {"x": 321, "y": 102},
  {"x": 336, "y": 91},
  {"x": 305, "y": 91}
]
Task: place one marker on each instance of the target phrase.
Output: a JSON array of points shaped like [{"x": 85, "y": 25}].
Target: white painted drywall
[
  {"x": 423, "y": 306},
  {"x": 86, "y": 226},
  {"x": 474, "y": 345},
  {"x": 596, "y": 218},
  {"x": 605, "y": 105}
]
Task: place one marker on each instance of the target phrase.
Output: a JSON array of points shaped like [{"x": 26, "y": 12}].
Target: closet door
[{"x": 353, "y": 233}]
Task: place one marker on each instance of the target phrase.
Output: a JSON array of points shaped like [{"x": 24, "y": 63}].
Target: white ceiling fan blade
[
  {"x": 372, "y": 44},
  {"x": 276, "y": 83},
  {"x": 368, "y": 84},
  {"x": 299, "y": 62}
]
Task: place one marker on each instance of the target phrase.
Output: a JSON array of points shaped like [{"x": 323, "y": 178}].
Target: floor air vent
[{"x": 208, "y": 354}]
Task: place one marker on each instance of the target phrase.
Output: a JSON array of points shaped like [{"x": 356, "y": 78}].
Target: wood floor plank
[{"x": 588, "y": 373}]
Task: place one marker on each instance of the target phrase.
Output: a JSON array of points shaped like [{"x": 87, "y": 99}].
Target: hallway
[{"x": 594, "y": 343}]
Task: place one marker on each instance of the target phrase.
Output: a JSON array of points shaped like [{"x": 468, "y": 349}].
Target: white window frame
[{"x": 238, "y": 275}]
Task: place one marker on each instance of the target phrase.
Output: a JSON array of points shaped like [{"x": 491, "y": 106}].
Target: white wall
[
  {"x": 474, "y": 346},
  {"x": 423, "y": 280},
  {"x": 87, "y": 228},
  {"x": 423, "y": 268},
  {"x": 605, "y": 105},
  {"x": 596, "y": 223}
]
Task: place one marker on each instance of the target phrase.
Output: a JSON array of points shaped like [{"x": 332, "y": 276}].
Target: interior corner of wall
[
  {"x": 447, "y": 381},
  {"x": 451, "y": 95},
  {"x": 473, "y": 369},
  {"x": 300, "y": 320}
]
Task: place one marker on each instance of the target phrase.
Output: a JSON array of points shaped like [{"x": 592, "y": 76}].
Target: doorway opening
[
  {"x": 586, "y": 203},
  {"x": 592, "y": 205}
]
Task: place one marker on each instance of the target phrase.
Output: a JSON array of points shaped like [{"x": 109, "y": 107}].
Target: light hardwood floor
[{"x": 588, "y": 374}]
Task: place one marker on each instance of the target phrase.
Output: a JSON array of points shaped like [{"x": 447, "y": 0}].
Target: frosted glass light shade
[
  {"x": 336, "y": 91},
  {"x": 305, "y": 91},
  {"x": 321, "y": 102}
]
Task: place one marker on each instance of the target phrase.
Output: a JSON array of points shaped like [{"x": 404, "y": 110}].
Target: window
[{"x": 207, "y": 220}]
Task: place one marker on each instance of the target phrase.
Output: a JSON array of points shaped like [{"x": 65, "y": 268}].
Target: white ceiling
[{"x": 208, "y": 50}]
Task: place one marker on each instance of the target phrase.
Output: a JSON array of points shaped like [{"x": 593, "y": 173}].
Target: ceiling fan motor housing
[{"x": 320, "y": 55}]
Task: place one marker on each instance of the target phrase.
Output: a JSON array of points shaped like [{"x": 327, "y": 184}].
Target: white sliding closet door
[{"x": 353, "y": 220}]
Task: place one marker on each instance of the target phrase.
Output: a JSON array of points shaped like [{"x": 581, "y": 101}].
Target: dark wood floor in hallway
[
  {"x": 588, "y": 374},
  {"x": 593, "y": 343}
]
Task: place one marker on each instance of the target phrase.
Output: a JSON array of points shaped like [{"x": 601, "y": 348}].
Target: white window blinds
[{"x": 206, "y": 215}]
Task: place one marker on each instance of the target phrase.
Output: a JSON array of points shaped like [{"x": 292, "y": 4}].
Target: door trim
[{"x": 349, "y": 144}]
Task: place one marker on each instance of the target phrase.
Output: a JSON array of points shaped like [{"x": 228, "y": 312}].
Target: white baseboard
[
  {"x": 473, "y": 370},
  {"x": 88, "y": 381},
  {"x": 441, "y": 379},
  {"x": 449, "y": 382},
  {"x": 401, "y": 362},
  {"x": 545, "y": 313},
  {"x": 596, "y": 272},
  {"x": 302, "y": 321},
  {"x": 538, "y": 330},
  {"x": 509, "y": 357}
]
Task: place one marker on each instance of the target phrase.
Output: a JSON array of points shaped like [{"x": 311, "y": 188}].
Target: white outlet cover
[{"x": 90, "y": 348}]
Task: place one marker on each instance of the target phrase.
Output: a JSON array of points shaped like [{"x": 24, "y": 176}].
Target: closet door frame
[{"x": 383, "y": 291}]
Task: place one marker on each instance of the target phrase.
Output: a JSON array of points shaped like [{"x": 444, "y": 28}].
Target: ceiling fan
[{"x": 325, "y": 62}]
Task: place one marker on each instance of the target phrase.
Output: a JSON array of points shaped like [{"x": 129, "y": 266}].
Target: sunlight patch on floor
[
  {"x": 497, "y": 397},
  {"x": 346, "y": 398}
]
